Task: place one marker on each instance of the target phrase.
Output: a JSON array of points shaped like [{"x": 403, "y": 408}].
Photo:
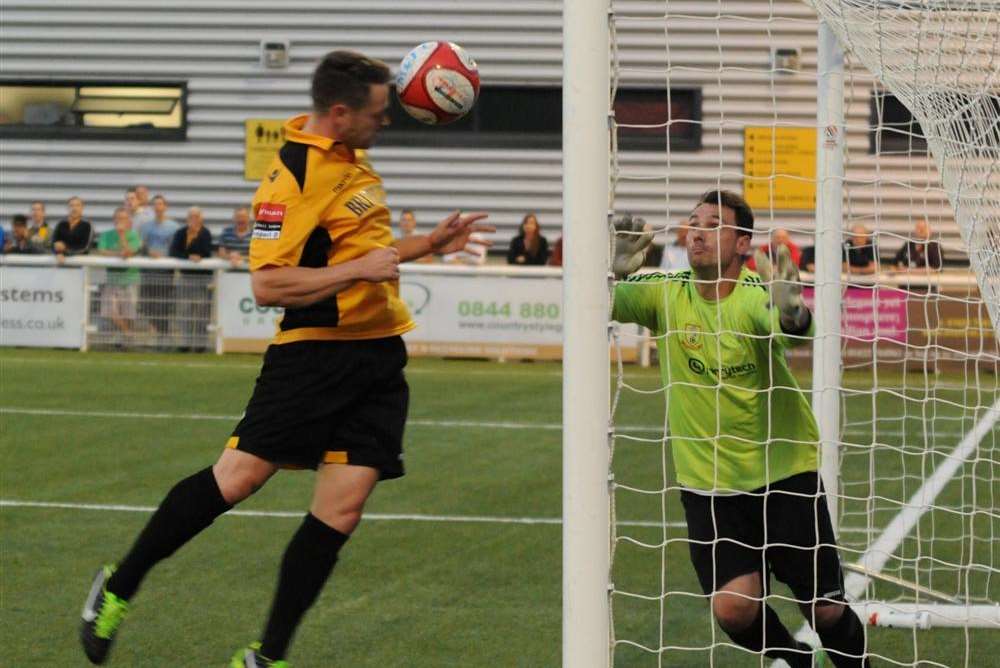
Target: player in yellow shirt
[{"x": 331, "y": 395}]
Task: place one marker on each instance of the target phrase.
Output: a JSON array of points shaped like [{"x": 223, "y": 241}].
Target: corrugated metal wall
[{"x": 214, "y": 45}]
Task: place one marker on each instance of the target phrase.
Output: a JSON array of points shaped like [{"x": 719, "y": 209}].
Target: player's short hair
[
  {"x": 730, "y": 200},
  {"x": 19, "y": 219},
  {"x": 121, "y": 209},
  {"x": 343, "y": 77}
]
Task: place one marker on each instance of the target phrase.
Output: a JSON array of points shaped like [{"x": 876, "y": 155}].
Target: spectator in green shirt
[{"x": 121, "y": 291}]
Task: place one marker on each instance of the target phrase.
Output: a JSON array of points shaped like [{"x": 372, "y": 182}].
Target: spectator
[
  {"x": 779, "y": 237},
  {"x": 529, "y": 247},
  {"x": 920, "y": 252},
  {"x": 675, "y": 256},
  {"x": 120, "y": 293},
  {"x": 73, "y": 234},
  {"x": 20, "y": 237},
  {"x": 39, "y": 230},
  {"x": 555, "y": 259},
  {"x": 3, "y": 241},
  {"x": 808, "y": 261},
  {"x": 158, "y": 234},
  {"x": 143, "y": 213},
  {"x": 194, "y": 241},
  {"x": 859, "y": 252},
  {"x": 474, "y": 252},
  {"x": 234, "y": 244},
  {"x": 407, "y": 228}
]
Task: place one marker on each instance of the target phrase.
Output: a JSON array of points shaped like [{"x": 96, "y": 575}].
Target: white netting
[{"x": 919, "y": 447}]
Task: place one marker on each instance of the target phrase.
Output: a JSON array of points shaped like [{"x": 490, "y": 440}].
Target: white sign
[
  {"x": 484, "y": 316},
  {"x": 457, "y": 315},
  {"x": 41, "y": 306},
  {"x": 243, "y": 326}
]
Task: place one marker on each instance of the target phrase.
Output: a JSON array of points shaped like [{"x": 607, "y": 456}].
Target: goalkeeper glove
[
  {"x": 786, "y": 289},
  {"x": 631, "y": 243}
]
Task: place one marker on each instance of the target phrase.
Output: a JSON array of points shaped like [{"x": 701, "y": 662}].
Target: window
[
  {"x": 93, "y": 110},
  {"x": 518, "y": 117},
  {"x": 652, "y": 118},
  {"x": 974, "y": 120},
  {"x": 892, "y": 129}
]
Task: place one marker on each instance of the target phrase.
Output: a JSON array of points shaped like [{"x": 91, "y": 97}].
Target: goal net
[{"x": 723, "y": 95}]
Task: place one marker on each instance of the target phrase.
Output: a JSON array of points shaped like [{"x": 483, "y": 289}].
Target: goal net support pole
[
  {"x": 586, "y": 367},
  {"x": 829, "y": 223}
]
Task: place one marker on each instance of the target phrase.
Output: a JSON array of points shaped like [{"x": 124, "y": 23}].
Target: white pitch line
[
  {"x": 223, "y": 366},
  {"x": 392, "y": 517},
  {"x": 413, "y": 422}
]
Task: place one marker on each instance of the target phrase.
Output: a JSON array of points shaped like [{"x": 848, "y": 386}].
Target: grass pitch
[{"x": 457, "y": 564}]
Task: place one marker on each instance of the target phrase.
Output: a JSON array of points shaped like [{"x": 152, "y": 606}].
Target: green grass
[{"x": 405, "y": 593}]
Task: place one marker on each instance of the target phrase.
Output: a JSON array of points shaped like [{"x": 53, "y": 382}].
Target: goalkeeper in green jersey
[{"x": 743, "y": 436}]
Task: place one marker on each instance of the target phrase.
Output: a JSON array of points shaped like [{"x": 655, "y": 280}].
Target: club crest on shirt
[
  {"x": 691, "y": 336},
  {"x": 267, "y": 224}
]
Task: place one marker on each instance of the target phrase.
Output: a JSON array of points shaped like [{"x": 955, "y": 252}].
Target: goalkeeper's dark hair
[
  {"x": 344, "y": 77},
  {"x": 730, "y": 200}
]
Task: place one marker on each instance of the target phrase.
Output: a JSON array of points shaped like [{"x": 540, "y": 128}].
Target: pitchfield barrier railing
[{"x": 492, "y": 311}]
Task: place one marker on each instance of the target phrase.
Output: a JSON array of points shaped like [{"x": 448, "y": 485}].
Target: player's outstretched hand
[
  {"x": 785, "y": 286},
  {"x": 452, "y": 234},
  {"x": 632, "y": 239},
  {"x": 381, "y": 264}
]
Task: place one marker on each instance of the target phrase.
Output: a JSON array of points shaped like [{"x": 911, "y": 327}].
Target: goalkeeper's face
[{"x": 714, "y": 245}]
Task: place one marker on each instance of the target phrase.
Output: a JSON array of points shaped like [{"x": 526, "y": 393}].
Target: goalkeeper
[{"x": 744, "y": 437}]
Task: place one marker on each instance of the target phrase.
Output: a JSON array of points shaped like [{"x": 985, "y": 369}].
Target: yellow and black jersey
[{"x": 323, "y": 204}]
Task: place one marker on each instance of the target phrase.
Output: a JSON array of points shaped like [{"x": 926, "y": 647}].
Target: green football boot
[
  {"x": 250, "y": 657},
  {"x": 103, "y": 612}
]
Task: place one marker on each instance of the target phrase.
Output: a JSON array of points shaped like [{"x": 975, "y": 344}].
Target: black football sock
[
  {"x": 847, "y": 640},
  {"x": 767, "y": 627},
  {"x": 308, "y": 561},
  {"x": 189, "y": 507}
]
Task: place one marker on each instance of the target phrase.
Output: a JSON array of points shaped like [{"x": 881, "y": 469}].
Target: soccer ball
[{"x": 437, "y": 82}]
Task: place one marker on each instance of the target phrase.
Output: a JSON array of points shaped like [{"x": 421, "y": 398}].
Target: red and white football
[{"x": 437, "y": 82}]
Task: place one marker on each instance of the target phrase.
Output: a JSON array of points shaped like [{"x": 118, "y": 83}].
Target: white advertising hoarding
[
  {"x": 243, "y": 326},
  {"x": 42, "y": 307},
  {"x": 459, "y": 313},
  {"x": 484, "y": 316}
]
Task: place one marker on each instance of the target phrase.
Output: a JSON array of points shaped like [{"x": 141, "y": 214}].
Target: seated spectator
[
  {"x": 675, "y": 255},
  {"x": 120, "y": 293},
  {"x": 920, "y": 252},
  {"x": 193, "y": 241},
  {"x": 20, "y": 237},
  {"x": 529, "y": 247},
  {"x": 859, "y": 252},
  {"x": 808, "y": 260},
  {"x": 234, "y": 244},
  {"x": 408, "y": 227},
  {"x": 555, "y": 259},
  {"x": 39, "y": 230},
  {"x": 73, "y": 235},
  {"x": 158, "y": 234},
  {"x": 474, "y": 252},
  {"x": 779, "y": 237}
]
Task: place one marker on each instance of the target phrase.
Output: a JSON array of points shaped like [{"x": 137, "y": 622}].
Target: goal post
[{"x": 586, "y": 373}]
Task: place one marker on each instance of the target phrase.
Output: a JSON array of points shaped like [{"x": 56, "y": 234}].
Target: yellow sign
[
  {"x": 779, "y": 167},
  {"x": 264, "y": 136}
]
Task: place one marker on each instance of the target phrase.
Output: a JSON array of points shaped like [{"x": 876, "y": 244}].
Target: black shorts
[
  {"x": 340, "y": 402},
  {"x": 727, "y": 535}
]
